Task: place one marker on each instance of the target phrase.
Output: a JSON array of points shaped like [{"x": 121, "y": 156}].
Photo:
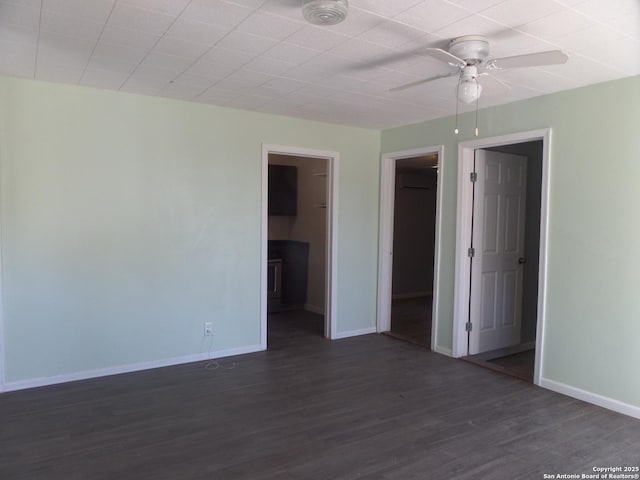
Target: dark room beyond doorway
[{"x": 414, "y": 225}]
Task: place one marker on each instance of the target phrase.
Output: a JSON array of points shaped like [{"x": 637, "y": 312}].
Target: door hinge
[
  {"x": 471, "y": 252},
  {"x": 468, "y": 326},
  {"x": 473, "y": 177}
]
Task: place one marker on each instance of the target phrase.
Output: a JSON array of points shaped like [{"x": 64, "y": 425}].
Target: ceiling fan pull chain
[
  {"x": 477, "y": 99},
  {"x": 456, "y": 131}
]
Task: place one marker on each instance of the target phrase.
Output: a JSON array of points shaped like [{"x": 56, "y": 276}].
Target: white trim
[
  {"x": 264, "y": 254},
  {"x": 385, "y": 242},
  {"x": 385, "y": 250},
  {"x": 354, "y": 333},
  {"x": 331, "y": 277},
  {"x": 437, "y": 260},
  {"x": 462, "y": 271},
  {"x": 331, "y": 286},
  {"x": 590, "y": 397},
  {"x": 314, "y": 308},
  {"x": 264, "y": 243},
  {"x": 3, "y": 349},
  {"x": 463, "y": 238},
  {"x": 544, "y": 256},
  {"x": 134, "y": 367}
]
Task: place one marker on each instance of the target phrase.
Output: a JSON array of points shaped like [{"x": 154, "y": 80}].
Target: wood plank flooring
[
  {"x": 519, "y": 365},
  {"x": 369, "y": 407},
  {"x": 411, "y": 320}
]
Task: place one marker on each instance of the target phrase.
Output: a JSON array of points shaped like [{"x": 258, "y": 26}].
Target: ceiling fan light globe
[
  {"x": 325, "y": 12},
  {"x": 469, "y": 91}
]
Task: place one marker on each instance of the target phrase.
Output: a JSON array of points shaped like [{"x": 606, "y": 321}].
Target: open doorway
[
  {"x": 298, "y": 245},
  {"x": 500, "y": 273},
  {"x": 409, "y": 234}
]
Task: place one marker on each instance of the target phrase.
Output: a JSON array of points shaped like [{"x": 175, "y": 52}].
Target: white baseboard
[
  {"x": 354, "y": 333},
  {"x": 407, "y": 296},
  {"x": 134, "y": 367},
  {"x": 314, "y": 309},
  {"x": 443, "y": 351},
  {"x": 594, "y": 398}
]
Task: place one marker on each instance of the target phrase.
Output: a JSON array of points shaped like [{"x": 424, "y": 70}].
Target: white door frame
[
  {"x": 385, "y": 250},
  {"x": 3, "y": 349},
  {"x": 331, "y": 269},
  {"x": 463, "y": 237}
]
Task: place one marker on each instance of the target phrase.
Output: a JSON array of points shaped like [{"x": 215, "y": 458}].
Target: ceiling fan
[{"x": 470, "y": 55}]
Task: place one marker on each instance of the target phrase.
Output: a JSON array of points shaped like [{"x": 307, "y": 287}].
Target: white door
[{"x": 498, "y": 242}]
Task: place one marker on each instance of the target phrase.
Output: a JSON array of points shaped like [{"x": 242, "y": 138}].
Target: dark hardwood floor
[
  {"x": 519, "y": 365},
  {"x": 308, "y": 408},
  {"x": 411, "y": 320},
  {"x": 288, "y": 328}
]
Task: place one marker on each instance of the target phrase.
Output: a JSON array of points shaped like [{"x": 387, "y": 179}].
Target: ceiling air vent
[{"x": 325, "y": 12}]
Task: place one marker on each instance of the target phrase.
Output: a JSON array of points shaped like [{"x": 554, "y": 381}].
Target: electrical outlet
[{"x": 208, "y": 329}]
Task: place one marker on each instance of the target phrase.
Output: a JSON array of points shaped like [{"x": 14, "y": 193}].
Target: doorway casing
[
  {"x": 2, "y": 344},
  {"x": 331, "y": 284},
  {"x": 463, "y": 238},
  {"x": 385, "y": 251}
]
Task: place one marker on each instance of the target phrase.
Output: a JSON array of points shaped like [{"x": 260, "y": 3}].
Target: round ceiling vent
[{"x": 325, "y": 12}]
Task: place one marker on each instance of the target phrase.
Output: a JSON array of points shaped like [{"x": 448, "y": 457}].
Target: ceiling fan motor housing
[
  {"x": 471, "y": 48},
  {"x": 325, "y": 12}
]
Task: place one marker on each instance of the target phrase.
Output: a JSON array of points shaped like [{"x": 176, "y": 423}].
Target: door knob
[{"x": 522, "y": 261}]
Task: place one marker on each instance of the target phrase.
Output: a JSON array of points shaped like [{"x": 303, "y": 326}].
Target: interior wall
[
  {"x": 533, "y": 152},
  {"x": 279, "y": 227},
  {"x": 592, "y": 308},
  {"x": 310, "y": 224},
  {"x": 128, "y": 221},
  {"x": 413, "y": 233}
]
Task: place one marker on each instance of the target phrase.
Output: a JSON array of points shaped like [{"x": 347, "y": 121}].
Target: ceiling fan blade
[
  {"x": 444, "y": 56},
  {"x": 386, "y": 60},
  {"x": 551, "y": 57},
  {"x": 420, "y": 82},
  {"x": 492, "y": 85}
]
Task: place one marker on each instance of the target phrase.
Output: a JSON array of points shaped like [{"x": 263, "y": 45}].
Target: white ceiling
[{"x": 261, "y": 55}]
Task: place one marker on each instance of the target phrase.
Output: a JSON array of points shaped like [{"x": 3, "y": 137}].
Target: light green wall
[
  {"x": 128, "y": 221},
  {"x": 593, "y": 312}
]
